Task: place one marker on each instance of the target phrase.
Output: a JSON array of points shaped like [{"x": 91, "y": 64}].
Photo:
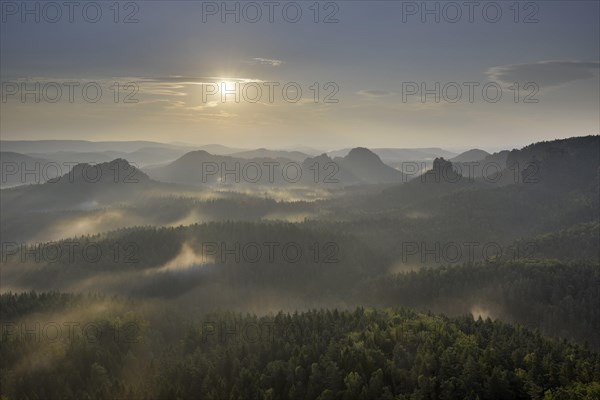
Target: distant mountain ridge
[
  {"x": 84, "y": 186},
  {"x": 20, "y": 169},
  {"x": 395, "y": 155},
  {"x": 43, "y": 146},
  {"x": 360, "y": 166},
  {"x": 470, "y": 155},
  {"x": 266, "y": 153},
  {"x": 368, "y": 167}
]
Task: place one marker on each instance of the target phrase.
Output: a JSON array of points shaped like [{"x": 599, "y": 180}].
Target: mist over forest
[
  {"x": 162, "y": 280},
  {"x": 299, "y": 200}
]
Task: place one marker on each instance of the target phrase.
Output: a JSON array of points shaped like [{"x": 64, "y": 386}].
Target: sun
[
  {"x": 232, "y": 90},
  {"x": 228, "y": 85}
]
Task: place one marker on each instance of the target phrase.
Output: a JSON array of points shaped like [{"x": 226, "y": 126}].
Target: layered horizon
[
  {"x": 303, "y": 200},
  {"x": 376, "y": 74}
]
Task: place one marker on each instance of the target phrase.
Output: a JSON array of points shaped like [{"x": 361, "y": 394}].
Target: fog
[{"x": 174, "y": 260}]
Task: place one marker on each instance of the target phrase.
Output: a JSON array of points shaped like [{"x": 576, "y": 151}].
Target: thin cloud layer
[
  {"x": 267, "y": 61},
  {"x": 545, "y": 73},
  {"x": 375, "y": 93}
]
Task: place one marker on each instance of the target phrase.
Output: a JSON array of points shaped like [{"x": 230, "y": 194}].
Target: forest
[
  {"x": 317, "y": 354},
  {"x": 426, "y": 289}
]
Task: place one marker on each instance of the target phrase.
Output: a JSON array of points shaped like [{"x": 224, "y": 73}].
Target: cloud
[
  {"x": 545, "y": 73},
  {"x": 375, "y": 93},
  {"x": 267, "y": 61},
  {"x": 161, "y": 90},
  {"x": 209, "y": 104},
  {"x": 188, "y": 80}
]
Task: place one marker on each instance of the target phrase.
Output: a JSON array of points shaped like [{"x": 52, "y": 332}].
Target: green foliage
[
  {"x": 559, "y": 299},
  {"x": 328, "y": 354}
]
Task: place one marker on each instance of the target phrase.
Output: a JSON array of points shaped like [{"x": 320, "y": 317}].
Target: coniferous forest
[
  {"x": 299, "y": 200},
  {"x": 480, "y": 299}
]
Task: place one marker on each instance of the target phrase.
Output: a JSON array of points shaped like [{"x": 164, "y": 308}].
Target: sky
[{"x": 319, "y": 74}]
